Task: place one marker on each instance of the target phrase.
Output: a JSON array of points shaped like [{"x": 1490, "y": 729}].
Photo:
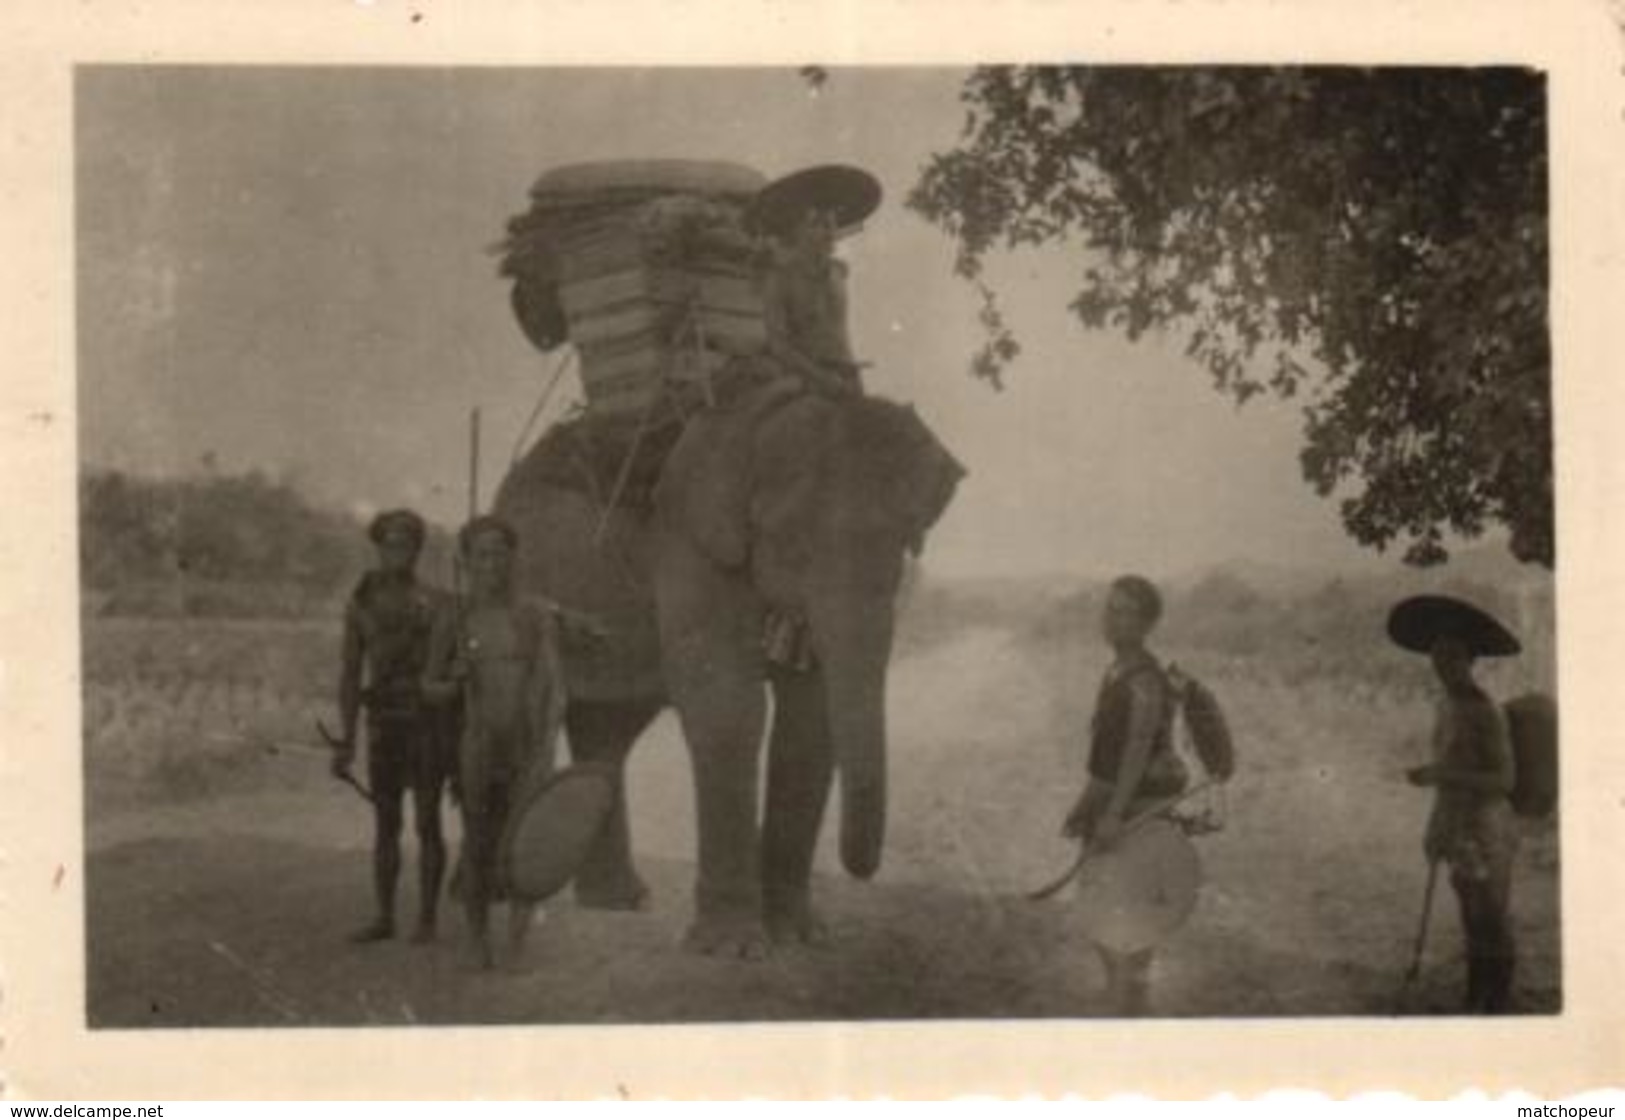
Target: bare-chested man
[
  {"x": 500, "y": 654},
  {"x": 1132, "y": 763}
]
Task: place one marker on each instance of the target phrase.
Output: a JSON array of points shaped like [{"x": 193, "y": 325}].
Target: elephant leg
[
  {"x": 724, "y": 745},
  {"x": 710, "y": 628},
  {"x": 603, "y": 732},
  {"x": 801, "y": 764}
]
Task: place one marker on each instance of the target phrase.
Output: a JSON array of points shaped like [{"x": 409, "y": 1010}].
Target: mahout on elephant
[{"x": 701, "y": 525}]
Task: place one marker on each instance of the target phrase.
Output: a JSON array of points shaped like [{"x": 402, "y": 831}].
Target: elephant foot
[
  {"x": 629, "y": 894},
  {"x": 520, "y": 916},
  {"x": 731, "y": 938},
  {"x": 796, "y": 923}
]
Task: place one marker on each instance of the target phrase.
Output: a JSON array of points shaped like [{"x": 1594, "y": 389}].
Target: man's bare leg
[
  {"x": 1128, "y": 982},
  {"x": 386, "y": 866},
  {"x": 431, "y": 861},
  {"x": 520, "y": 916},
  {"x": 477, "y": 885}
]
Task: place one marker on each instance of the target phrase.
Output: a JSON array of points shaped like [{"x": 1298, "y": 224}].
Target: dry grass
[
  {"x": 1314, "y": 887},
  {"x": 178, "y": 709}
]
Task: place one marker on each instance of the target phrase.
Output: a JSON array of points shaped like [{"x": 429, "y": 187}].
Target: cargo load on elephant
[
  {"x": 646, "y": 268},
  {"x": 732, "y": 522}
]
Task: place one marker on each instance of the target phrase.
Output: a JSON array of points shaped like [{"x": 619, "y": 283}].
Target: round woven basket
[
  {"x": 1139, "y": 893},
  {"x": 551, "y": 832},
  {"x": 652, "y": 176}
]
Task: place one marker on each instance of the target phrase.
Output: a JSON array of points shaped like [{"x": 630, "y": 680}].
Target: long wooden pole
[
  {"x": 1407, "y": 985},
  {"x": 463, "y": 589},
  {"x": 1421, "y": 945},
  {"x": 473, "y": 463}
]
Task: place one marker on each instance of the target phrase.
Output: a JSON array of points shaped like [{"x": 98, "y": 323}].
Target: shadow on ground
[{"x": 240, "y": 930}]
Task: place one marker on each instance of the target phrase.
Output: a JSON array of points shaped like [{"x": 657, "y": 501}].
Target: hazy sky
[{"x": 287, "y": 268}]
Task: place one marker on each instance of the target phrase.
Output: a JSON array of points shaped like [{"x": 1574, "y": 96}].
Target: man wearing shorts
[{"x": 386, "y": 642}]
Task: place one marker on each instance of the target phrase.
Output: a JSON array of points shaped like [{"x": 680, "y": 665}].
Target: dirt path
[
  {"x": 233, "y": 910},
  {"x": 246, "y": 929}
]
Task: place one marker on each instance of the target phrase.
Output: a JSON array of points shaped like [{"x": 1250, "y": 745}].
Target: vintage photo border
[{"x": 47, "y": 1051}]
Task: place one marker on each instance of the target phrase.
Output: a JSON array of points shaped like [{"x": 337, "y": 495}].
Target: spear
[
  {"x": 473, "y": 463},
  {"x": 473, "y": 511},
  {"x": 459, "y": 615}
]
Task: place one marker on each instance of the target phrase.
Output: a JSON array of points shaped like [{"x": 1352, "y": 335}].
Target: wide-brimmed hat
[
  {"x": 850, "y": 193},
  {"x": 1416, "y": 623}
]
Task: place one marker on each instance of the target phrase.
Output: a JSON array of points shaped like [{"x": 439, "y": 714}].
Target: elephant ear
[
  {"x": 931, "y": 477},
  {"x": 788, "y": 484},
  {"x": 907, "y": 477},
  {"x": 704, "y": 493}
]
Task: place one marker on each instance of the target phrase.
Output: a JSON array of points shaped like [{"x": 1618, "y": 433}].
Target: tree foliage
[{"x": 1371, "y": 241}]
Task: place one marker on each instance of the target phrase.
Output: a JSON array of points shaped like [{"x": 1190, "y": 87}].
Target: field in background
[
  {"x": 193, "y": 743},
  {"x": 182, "y": 708},
  {"x": 1314, "y": 889}
]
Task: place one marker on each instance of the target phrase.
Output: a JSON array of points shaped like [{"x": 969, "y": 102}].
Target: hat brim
[
  {"x": 851, "y": 194},
  {"x": 1418, "y": 622},
  {"x": 397, "y": 521}
]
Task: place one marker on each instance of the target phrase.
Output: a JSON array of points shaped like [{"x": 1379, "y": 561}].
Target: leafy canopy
[{"x": 1373, "y": 241}]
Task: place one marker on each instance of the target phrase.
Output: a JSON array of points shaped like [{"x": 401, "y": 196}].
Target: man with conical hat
[
  {"x": 804, "y": 214},
  {"x": 1472, "y": 829},
  {"x": 804, "y": 302}
]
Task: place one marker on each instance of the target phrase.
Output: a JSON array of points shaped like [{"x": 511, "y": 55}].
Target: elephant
[{"x": 784, "y": 501}]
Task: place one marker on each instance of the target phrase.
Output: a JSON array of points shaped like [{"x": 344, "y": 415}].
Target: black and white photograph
[{"x": 815, "y": 543}]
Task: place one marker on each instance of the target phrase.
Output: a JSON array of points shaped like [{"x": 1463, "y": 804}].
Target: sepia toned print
[
  {"x": 833, "y": 505},
  {"x": 1029, "y": 551}
]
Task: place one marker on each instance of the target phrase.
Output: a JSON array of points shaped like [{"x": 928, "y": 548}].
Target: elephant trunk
[{"x": 854, "y": 645}]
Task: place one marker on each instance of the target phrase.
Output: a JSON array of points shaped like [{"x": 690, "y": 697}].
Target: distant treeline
[
  {"x": 252, "y": 546},
  {"x": 1302, "y": 628},
  {"x": 219, "y": 545}
]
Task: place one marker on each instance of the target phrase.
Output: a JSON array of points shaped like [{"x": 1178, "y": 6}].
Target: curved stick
[
  {"x": 344, "y": 775},
  {"x": 1129, "y": 826}
]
